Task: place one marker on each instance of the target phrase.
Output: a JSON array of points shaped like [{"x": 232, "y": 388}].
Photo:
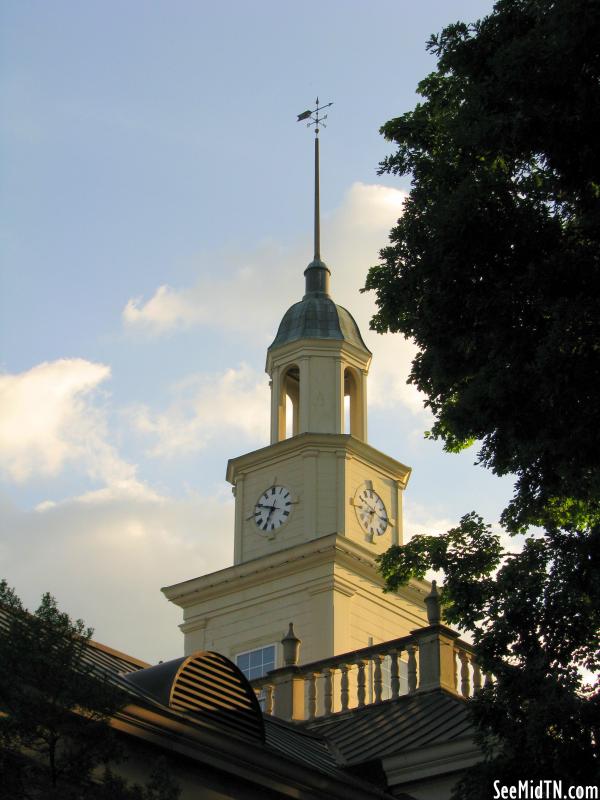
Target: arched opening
[
  {"x": 353, "y": 406},
  {"x": 289, "y": 403}
]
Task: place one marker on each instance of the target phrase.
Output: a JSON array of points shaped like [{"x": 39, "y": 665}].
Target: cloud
[
  {"x": 48, "y": 419},
  {"x": 251, "y": 294},
  {"x": 420, "y": 520},
  {"x": 232, "y": 403},
  {"x": 105, "y": 561},
  {"x": 245, "y": 291}
]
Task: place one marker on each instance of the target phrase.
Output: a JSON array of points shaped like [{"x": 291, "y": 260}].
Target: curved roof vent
[{"x": 207, "y": 685}]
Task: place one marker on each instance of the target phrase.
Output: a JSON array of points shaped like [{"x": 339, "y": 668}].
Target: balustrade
[{"x": 370, "y": 675}]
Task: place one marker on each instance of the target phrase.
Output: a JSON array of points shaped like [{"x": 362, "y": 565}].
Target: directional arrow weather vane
[
  {"x": 316, "y": 120},
  {"x": 314, "y": 117}
]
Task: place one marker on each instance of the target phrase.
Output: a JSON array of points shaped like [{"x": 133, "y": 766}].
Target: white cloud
[
  {"x": 252, "y": 294},
  {"x": 106, "y": 561},
  {"x": 232, "y": 403},
  {"x": 247, "y": 291},
  {"x": 48, "y": 419},
  {"x": 420, "y": 520}
]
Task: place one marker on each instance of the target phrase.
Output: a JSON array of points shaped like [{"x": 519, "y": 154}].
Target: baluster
[
  {"x": 327, "y": 691},
  {"x": 487, "y": 679},
  {"x": 361, "y": 682},
  {"x": 344, "y": 693},
  {"x": 377, "y": 678},
  {"x": 476, "y": 677},
  {"x": 412, "y": 668},
  {"x": 268, "y": 692},
  {"x": 455, "y": 671},
  {"x": 465, "y": 678},
  {"x": 395, "y": 673},
  {"x": 312, "y": 694}
]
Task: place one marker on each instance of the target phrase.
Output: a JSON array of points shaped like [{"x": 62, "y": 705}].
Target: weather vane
[{"x": 316, "y": 119}]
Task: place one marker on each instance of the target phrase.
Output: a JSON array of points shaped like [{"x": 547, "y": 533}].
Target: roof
[
  {"x": 207, "y": 684},
  {"x": 316, "y": 316},
  {"x": 297, "y": 743},
  {"x": 410, "y": 722}
]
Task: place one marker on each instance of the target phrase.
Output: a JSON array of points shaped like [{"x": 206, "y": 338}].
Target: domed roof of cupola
[{"x": 316, "y": 316}]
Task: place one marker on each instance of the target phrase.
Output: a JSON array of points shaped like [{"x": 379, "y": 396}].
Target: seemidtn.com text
[{"x": 543, "y": 790}]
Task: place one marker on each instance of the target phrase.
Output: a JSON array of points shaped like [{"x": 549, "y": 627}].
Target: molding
[
  {"x": 332, "y": 550},
  {"x": 207, "y": 745},
  {"x": 434, "y": 761},
  {"x": 197, "y": 623},
  {"x": 336, "y": 443},
  {"x": 303, "y": 348}
]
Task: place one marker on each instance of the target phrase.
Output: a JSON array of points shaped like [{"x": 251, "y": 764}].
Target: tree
[
  {"x": 494, "y": 271},
  {"x": 55, "y": 736}
]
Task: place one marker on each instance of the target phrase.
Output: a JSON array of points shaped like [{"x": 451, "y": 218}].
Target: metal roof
[
  {"x": 301, "y": 745},
  {"x": 393, "y": 726},
  {"x": 316, "y": 316},
  {"x": 207, "y": 685}
]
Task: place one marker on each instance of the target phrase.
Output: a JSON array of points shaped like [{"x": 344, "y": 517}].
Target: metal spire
[{"x": 316, "y": 282}]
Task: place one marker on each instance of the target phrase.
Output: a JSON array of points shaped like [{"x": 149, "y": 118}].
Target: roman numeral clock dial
[
  {"x": 371, "y": 512},
  {"x": 273, "y": 508}
]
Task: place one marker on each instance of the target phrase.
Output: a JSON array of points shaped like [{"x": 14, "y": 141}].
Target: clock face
[
  {"x": 371, "y": 512},
  {"x": 273, "y": 508}
]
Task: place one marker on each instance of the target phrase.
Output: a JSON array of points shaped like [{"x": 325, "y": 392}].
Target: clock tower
[{"x": 313, "y": 508}]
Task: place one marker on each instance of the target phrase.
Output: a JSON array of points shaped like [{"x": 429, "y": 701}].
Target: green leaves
[
  {"x": 494, "y": 267},
  {"x": 494, "y": 271},
  {"x": 54, "y": 729}
]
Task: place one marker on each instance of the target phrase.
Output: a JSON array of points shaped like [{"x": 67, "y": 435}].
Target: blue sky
[{"x": 156, "y": 220}]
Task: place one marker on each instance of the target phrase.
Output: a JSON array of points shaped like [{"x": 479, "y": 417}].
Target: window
[{"x": 256, "y": 663}]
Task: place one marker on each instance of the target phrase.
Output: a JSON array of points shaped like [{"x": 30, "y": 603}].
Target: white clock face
[
  {"x": 371, "y": 512},
  {"x": 273, "y": 508}
]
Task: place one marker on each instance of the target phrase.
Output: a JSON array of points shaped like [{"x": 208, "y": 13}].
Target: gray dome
[{"x": 316, "y": 316}]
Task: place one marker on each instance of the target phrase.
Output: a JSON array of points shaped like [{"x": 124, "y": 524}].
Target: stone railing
[{"x": 429, "y": 658}]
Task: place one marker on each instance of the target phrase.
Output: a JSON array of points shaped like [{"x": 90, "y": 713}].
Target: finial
[
  {"x": 314, "y": 117},
  {"x": 317, "y": 274},
  {"x": 291, "y": 647},
  {"x": 432, "y": 603}
]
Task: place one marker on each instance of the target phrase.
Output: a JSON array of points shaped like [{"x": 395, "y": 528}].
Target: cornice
[
  {"x": 332, "y": 549},
  {"x": 251, "y": 761},
  {"x": 431, "y": 761},
  {"x": 301, "y": 348},
  {"x": 322, "y": 442}
]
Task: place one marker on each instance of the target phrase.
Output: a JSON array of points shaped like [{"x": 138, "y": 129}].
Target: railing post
[
  {"x": 412, "y": 668},
  {"x": 476, "y": 677},
  {"x": 361, "y": 682},
  {"x": 268, "y": 690},
  {"x": 465, "y": 679},
  {"x": 327, "y": 691},
  {"x": 289, "y": 693},
  {"x": 312, "y": 694},
  {"x": 377, "y": 678},
  {"x": 344, "y": 693},
  {"x": 289, "y": 682},
  {"x": 437, "y": 663},
  {"x": 395, "y": 673}
]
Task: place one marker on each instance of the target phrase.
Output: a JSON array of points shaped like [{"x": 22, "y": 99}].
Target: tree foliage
[
  {"x": 55, "y": 738},
  {"x": 494, "y": 267},
  {"x": 494, "y": 271}
]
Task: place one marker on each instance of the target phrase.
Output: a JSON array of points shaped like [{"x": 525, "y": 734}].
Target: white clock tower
[{"x": 313, "y": 508}]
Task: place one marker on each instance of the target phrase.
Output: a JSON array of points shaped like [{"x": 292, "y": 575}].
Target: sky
[{"x": 155, "y": 223}]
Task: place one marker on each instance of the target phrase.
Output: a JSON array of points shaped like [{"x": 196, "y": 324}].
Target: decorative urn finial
[
  {"x": 432, "y": 603},
  {"x": 291, "y": 647}
]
